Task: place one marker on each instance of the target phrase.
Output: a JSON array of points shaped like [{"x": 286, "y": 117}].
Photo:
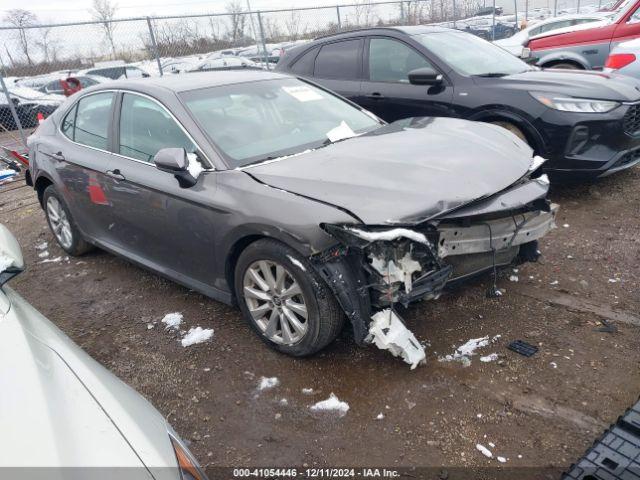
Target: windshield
[
  {"x": 256, "y": 121},
  {"x": 470, "y": 55}
]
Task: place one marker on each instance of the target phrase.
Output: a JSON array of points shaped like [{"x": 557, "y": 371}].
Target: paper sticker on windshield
[
  {"x": 302, "y": 93},
  {"x": 341, "y": 132}
]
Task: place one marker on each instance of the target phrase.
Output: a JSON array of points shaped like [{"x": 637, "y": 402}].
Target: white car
[
  {"x": 625, "y": 59},
  {"x": 517, "y": 42},
  {"x": 63, "y": 415}
]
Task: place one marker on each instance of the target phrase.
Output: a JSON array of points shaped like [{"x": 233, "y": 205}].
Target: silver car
[
  {"x": 63, "y": 415},
  {"x": 625, "y": 59}
]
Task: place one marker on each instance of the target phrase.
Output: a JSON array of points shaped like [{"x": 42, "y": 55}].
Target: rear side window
[
  {"x": 88, "y": 122},
  {"x": 304, "y": 65},
  {"x": 340, "y": 60},
  {"x": 146, "y": 127}
]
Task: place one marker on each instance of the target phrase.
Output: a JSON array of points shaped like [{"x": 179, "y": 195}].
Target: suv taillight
[{"x": 619, "y": 60}]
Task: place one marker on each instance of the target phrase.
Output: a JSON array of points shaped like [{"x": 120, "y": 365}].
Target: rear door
[
  {"x": 159, "y": 224},
  {"x": 338, "y": 66},
  {"x": 81, "y": 159},
  {"x": 628, "y": 28},
  {"x": 386, "y": 90}
]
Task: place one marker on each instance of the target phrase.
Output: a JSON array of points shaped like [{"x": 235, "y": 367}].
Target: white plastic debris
[
  {"x": 42, "y": 246},
  {"x": 489, "y": 358},
  {"x": 553, "y": 365},
  {"x": 52, "y": 260},
  {"x": 43, "y": 254},
  {"x": 297, "y": 263},
  {"x": 614, "y": 280},
  {"x": 172, "y": 320},
  {"x": 196, "y": 335},
  {"x": 513, "y": 278},
  {"x": 392, "y": 272},
  {"x": 566, "y": 225},
  {"x": 268, "y": 382},
  {"x": 484, "y": 450},
  {"x": 307, "y": 391},
  {"x": 389, "y": 235},
  {"x": 501, "y": 459},
  {"x": 388, "y": 332},
  {"x": 555, "y": 282},
  {"x": 331, "y": 404},
  {"x": 380, "y": 416}
]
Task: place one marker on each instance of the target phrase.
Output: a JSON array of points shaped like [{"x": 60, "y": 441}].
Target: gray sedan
[
  {"x": 264, "y": 190},
  {"x": 65, "y": 416}
]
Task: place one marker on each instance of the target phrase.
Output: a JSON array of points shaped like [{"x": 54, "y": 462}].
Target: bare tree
[
  {"x": 21, "y": 19},
  {"x": 363, "y": 15},
  {"x": 293, "y": 25},
  {"x": 237, "y": 20},
  {"x": 104, "y": 11},
  {"x": 46, "y": 44}
]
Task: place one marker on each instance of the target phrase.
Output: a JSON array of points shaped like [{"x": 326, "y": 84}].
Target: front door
[
  {"x": 160, "y": 224},
  {"x": 386, "y": 90}
]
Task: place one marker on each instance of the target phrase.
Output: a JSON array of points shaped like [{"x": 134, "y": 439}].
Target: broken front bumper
[{"x": 480, "y": 246}]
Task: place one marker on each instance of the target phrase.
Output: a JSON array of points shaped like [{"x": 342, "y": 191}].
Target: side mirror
[
  {"x": 424, "y": 76},
  {"x": 11, "y": 261},
  {"x": 176, "y": 162}
]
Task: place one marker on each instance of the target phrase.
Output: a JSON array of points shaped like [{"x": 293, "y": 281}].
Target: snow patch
[
  {"x": 42, "y": 246},
  {"x": 52, "y": 260},
  {"x": 388, "y": 235},
  {"x": 388, "y": 332},
  {"x": 501, "y": 459},
  {"x": 468, "y": 349},
  {"x": 513, "y": 278},
  {"x": 331, "y": 404},
  {"x": 172, "y": 320},
  {"x": 307, "y": 391},
  {"x": 268, "y": 382},
  {"x": 194, "y": 166},
  {"x": 380, "y": 416},
  {"x": 484, "y": 450},
  {"x": 196, "y": 335},
  {"x": 43, "y": 254}
]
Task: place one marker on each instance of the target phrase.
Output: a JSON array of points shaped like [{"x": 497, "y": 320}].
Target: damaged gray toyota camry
[{"x": 270, "y": 192}]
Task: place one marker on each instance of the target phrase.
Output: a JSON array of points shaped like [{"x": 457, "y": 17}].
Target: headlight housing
[
  {"x": 189, "y": 467},
  {"x": 572, "y": 104}
]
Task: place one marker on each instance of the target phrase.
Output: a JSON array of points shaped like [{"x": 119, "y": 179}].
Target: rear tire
[
  {"x": 62, "y": 224},
  {"x": 276, "y": 289}
]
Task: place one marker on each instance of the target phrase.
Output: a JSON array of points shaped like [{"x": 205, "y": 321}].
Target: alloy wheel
[
  {"x": 59, "y": 222},
  {"x": 275, "y": 302}
]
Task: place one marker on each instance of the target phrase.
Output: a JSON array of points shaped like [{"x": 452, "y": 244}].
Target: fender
[
  {"x": 564, "y": 56},
  {"x": 500, "y": 113}
]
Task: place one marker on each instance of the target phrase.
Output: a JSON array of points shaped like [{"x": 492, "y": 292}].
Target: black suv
[{"x": 586, "y": 123}]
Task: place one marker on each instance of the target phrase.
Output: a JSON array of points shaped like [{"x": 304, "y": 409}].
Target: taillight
[{"x": 619, "y": 60}]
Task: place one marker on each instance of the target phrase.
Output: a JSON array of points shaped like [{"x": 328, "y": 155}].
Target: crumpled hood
[
  {"x": 573, "y": 83},
  {"x": 404, "y": 172}
]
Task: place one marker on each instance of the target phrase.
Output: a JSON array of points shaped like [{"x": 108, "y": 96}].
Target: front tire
[
  {"x": 62, "y": 225},
  {"x": 513, "y": 129},
  {"x": 284, "y": 300}
]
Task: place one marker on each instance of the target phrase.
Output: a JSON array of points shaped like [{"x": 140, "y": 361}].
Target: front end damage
[{"x": 374, "y": 268}]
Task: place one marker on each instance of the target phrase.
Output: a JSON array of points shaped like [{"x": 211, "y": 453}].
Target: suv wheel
[
  {"x": 284, "y": 299},
  {"x": 62, "y": 225}
]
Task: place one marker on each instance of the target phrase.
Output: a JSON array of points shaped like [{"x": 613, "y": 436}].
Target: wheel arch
[
  {"x": 40, "y": 185},
  {"x": 492, "y": 114},
  {"x": 552, "y": 59}
]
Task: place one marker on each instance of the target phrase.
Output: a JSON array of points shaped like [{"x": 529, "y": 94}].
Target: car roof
[
  {"x": 190, "y": 81},
  {"x": 407, "y": 29}
]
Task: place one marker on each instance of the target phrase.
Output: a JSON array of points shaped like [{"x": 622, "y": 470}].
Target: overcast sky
[{"x": 56, "y": 11}]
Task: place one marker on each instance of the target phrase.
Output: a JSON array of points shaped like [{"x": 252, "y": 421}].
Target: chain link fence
[{"x": 41, "y": 64}]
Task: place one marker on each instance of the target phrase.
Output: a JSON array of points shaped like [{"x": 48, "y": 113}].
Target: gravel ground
[{"x": 539, "y": 412}]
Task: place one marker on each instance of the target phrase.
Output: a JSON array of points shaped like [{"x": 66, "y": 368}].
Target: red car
[{"x": 587, "y": 48}]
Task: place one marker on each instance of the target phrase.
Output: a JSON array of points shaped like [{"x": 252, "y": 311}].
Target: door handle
[
  {"x": 57, "y": 156},
  {"x": 115, "y": 174},
  {"x": 375, "y": 96}
]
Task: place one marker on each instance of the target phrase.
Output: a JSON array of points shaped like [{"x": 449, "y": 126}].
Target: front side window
[
  {"x": 146, "y": 127},
  {"x": 391, "y": 60},
  {"x": 339, "y": 60},
  {"x": 88, "y": 122},
  {"x": 254, "y": 121},
  {"x": 471, "y": 56}
]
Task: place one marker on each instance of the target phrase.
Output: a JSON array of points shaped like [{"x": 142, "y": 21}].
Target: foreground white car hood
[{"x": 60, "y": 408}]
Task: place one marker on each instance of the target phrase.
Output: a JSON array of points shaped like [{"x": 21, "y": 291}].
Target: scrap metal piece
[{"x": 388, "y": 332}]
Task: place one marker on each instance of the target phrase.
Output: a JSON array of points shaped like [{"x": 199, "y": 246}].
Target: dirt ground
[{"x": 541, "y": 411}]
